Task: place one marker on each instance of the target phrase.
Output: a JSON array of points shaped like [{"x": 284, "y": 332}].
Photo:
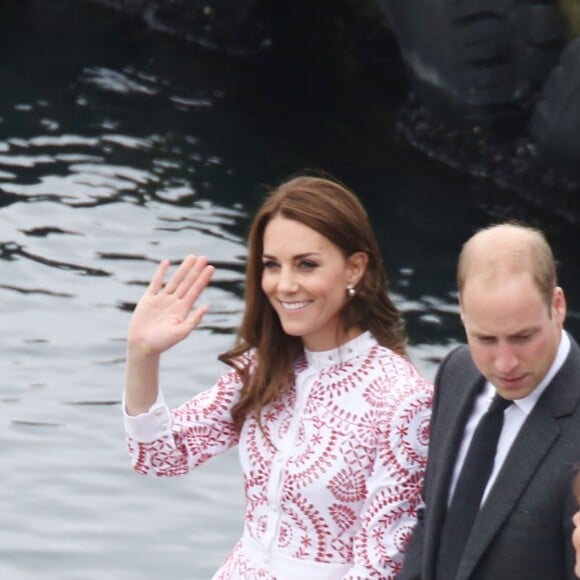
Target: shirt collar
[{"x": 326, "y": 358}]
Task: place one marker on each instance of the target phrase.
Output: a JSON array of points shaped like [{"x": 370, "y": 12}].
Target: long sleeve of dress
[{"x": 167, "y": 443}]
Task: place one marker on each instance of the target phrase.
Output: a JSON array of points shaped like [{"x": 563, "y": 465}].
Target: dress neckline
[{"x": 350, "y": 349}]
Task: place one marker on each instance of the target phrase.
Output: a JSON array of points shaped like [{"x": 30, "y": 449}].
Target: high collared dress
[{"x": 333, "y": 477}]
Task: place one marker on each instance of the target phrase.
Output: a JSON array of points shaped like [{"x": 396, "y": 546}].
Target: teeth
[{"x": 294, "y": 305}]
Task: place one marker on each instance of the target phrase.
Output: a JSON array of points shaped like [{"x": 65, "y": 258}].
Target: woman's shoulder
[
  {"x": 382, "y": 355},
  {"x": 397, "y": 370}
]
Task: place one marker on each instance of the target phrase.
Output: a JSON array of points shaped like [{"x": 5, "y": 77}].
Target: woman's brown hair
[{"x": 333, "y": 211}]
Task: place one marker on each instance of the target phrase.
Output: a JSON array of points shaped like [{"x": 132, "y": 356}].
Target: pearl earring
[{"x": 351, "y": 290}]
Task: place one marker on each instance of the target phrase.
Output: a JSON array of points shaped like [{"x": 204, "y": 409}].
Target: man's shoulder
[
  {"x": 458, "y": 360},
  {"x": 574, "y": 353}
]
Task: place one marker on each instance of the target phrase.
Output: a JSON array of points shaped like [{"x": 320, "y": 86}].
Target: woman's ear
[{"x": 357, "y": 266}]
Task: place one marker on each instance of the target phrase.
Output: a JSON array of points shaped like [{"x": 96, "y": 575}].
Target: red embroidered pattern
[{"x": 336, "y": 475}]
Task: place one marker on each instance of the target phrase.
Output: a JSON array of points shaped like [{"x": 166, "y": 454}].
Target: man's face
[{"x": 512, "y": 333}]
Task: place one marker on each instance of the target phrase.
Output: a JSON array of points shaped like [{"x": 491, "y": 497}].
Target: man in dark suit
[{"x": 513, "y": 314}]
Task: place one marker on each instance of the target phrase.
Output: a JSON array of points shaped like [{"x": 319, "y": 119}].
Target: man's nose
[{"x": 506, "y": 359}]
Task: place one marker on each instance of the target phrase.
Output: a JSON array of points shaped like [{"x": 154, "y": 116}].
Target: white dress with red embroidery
[{"x": 333, "y": 483}]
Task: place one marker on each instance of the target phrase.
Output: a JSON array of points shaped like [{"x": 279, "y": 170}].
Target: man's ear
[
  {"x": 559, "y": 305},
  {"x": 461, "y": 310}
]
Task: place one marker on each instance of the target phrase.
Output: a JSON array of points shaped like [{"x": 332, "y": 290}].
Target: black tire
[
  {"x": 555, "y": 124},
  {"x": 477, "y": 60}
]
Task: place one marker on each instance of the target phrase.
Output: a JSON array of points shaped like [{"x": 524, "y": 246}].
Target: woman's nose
[{"x": 287, "y": 281}]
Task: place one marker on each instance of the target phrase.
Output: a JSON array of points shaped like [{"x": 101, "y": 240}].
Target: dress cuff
[{"x": 151, "y": 425}]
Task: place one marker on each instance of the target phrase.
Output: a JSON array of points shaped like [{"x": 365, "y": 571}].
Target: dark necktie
[{"x": 471, "y": 484}]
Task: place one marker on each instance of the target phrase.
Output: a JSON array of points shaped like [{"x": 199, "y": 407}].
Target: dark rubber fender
[
  {"x": 477, "y": 60},
  {"x": 555, "y": 124}
]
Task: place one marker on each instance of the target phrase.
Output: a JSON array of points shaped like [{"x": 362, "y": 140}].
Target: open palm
[{"x": 165, "y": 314}]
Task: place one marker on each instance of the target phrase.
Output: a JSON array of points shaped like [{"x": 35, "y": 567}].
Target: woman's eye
[
  {"x": 269, "y": 265},
  {"x": 308, "y": 264}
]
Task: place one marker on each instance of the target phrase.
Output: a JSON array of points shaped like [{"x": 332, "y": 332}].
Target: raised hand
[{"x": 165, "y": 314}]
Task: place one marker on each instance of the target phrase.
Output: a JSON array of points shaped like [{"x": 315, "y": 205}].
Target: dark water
[{"x": 120, "y": 147}]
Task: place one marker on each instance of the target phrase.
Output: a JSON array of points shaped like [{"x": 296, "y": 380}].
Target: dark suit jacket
[{"x": 523, "y": 531}]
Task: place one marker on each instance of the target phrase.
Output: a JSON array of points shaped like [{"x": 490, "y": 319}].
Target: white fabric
[
  {"x": 332, "y": 484},
  {"x": 279, "y": 565}
]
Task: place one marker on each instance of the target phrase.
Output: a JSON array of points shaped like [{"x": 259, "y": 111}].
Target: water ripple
[
  {"x": 39, "y": 291},
  {"x": 126, "y": 82}
]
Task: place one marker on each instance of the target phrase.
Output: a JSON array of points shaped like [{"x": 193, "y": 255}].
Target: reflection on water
[{"x": 119, "y": 148}]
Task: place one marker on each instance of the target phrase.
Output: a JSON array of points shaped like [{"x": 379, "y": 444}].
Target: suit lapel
[
  {"x": 538, "y": 434},
  {"x": 451, "y": 422}
]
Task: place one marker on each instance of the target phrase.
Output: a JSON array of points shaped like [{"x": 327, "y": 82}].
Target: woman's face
[
  {"x": 576, "y": 541},
  {"x": 305, "y": 277}
]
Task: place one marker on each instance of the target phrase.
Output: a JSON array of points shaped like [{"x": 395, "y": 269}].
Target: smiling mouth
[{"x": 293, "y": 306}]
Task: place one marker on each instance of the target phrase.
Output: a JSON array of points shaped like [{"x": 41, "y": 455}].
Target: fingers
[
  {"x": 157, "y": 280},
  {"x": 192, "y": 276},
  {"x": 195, "y": 317},
  {"x": 187, "y": 283},
  {"x": 198, "y": 284},
  {"x": 180, "y": 274}
]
